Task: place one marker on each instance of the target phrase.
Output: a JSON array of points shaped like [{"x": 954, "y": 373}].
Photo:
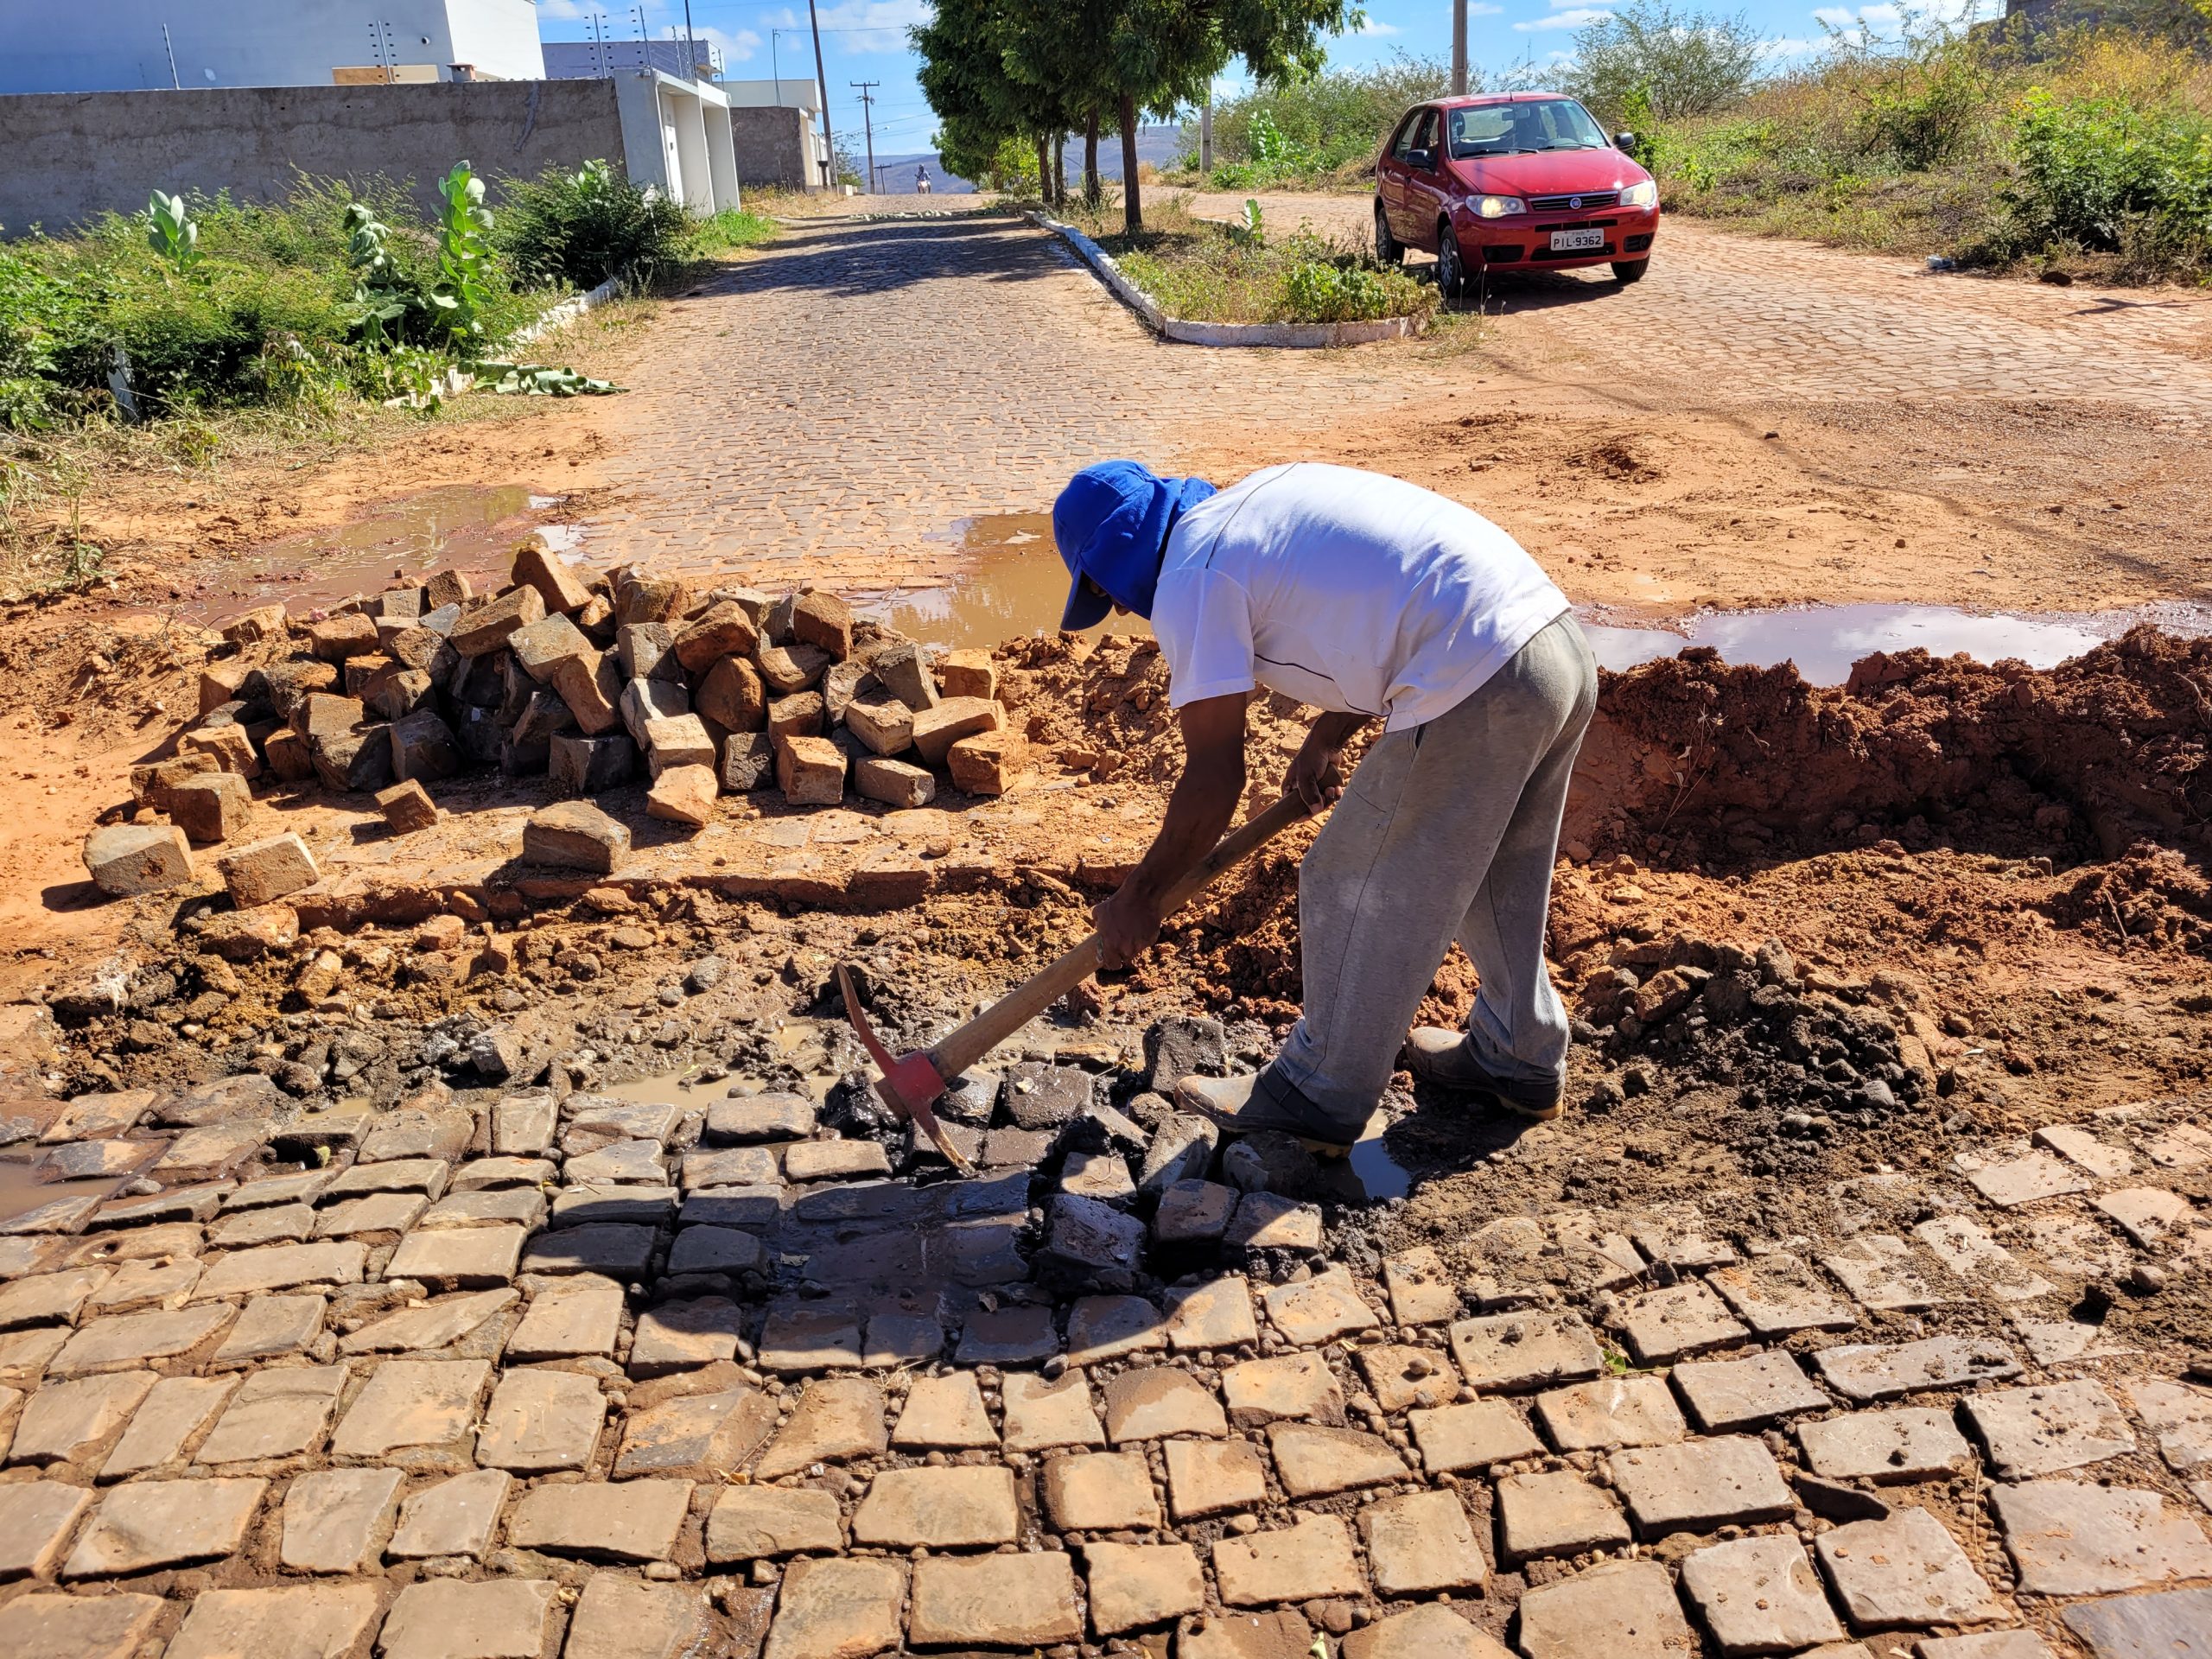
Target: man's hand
[
  {"x": 1311, "y": 775},
  {"x": 1127, "y": 924}
]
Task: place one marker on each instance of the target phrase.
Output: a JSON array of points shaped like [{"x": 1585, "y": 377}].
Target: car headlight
[
  {"x": 1496, "y": 206},
  {"x": 1645, "y": 194}
]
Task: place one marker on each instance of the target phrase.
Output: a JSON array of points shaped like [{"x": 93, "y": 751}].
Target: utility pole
[
  {"x": 867, "y": 121},
  {"x": 692, "y": 47},
  {"x": 822, "y": 86},
  {"x": 1459, "y": 48},
  {"x": 1205, "y": 135},
  {"x": 170, "y": 46}
]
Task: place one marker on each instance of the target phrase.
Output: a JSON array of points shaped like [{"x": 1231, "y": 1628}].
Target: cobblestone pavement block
[
  {"x": 538, "y": 1421},
  {"x": 436, "y": 1323},
  {"x": 1042, "y": 1413},
  {"x": 445, "y": 1618},
  {"x": 1610, "y": 1412},
  {"x": 837, "y": 1608},
  {"x": 1863, "y": 1372},
  {"x": 624, "y": 1520},
  {"x": 1623, "y": 1610},
  {"x": 337, "y": 1520},
  {"x": 1314, "y": 1461},
  {"x": 459, "y": 1258},
  {"x": 1109, "y": 1327},
  {"x": 938, "y": 1509},
  {"x": 1296, "y": 1386},
  {"x": 1421, "y": 1543},
  {"x": 678, "y": 1336},
  {"x": 1730, "y": 1480},
  {"x": 1320, "y": 1309},
  {"x": 1518, "y": 1352},
  {"x": 2180, "y": 1417},
  {"x": 2070, "y": 1538},
  {"x": 1454, "y": 1439},
  {"x": 276, "y": 1414},
  {"x": 1158, "y": 1404},
  {"x": 698, "y": 1435},
  {"x": 455, "y": 1516},
  {"x": 1217, "y": 1314},
  {"x": 133, "y": 1339},
  {"x": 1008, "y": 1336},
  {"x": 411, "y": 1403},
  {"x": 1213, "y": 1478},
  {"x": 618, "y": 1618},
  {"x": 1985, "y": 1644},
  {"x": 311, "y": 1621},
  {"x": 1759, "y": 1595},
  {"x": 1422, "y": 1290},
  {"x": 2049, "y": 1428},
  {"x": 1558, "y": 1513},
  {"x": 577, "y": 1316},
  {"x": 994, "y": 1601},
  {"x": 1664, "y": 1326},
  {"x": 2143, "y": 1627},
  {"x": 1778, "y": 1296},
  {"x": 1135, "y": 1586},
  {"x": 144, "y": 1525},
  {"x": 944, "y": 1412},
  {"x": 1312, "y": 1558},
  {"x": 1904, "y": 1572},
  {"x": 1909, "y": 1443},
  {"x": 1425, "y": 1632},
  {"x": 752, "y": 1523},
  {"x": 36, "y": 1522},
  {"x": 59, "y": 1626},
  {"x": 1727, "y": 1394},
  {"x": 63, "y": 1420},
  {"x": 1099, "y": 1492},
  {"x": 836, "y": 1419}
]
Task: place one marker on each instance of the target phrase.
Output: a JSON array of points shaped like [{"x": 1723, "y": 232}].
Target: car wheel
[
  {"x": 1451, "y": 269},
  {"x": 1387, "y": 251},
  {"x": 1629, "y": 271}
]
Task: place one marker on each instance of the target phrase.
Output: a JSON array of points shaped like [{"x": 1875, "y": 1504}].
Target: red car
[{"x": 1512, "y": 179}]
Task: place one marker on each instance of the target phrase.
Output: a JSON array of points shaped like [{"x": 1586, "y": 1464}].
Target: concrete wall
[
  {"x": 97, "y": 45},
  {"x": 772, "y": 148},
  {"x": 72, "y": 156}
]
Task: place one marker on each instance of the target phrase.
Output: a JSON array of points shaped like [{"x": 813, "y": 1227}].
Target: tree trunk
[
  {"x": 1091, "y": 190},
  {"x": 1059, "y": 169},
  {"x": 1132, "y": 205},
  {"x": 1043, "y": 168}
]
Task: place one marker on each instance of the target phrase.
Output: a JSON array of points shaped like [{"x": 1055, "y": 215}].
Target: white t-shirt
[{"x": 1344, "y": 589}]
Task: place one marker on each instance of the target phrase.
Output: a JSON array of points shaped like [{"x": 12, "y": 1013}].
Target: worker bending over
[{"x": 1372, "y": 599}]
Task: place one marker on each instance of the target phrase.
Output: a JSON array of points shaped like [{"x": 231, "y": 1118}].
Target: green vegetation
[{"x": 1202, "y": 272}]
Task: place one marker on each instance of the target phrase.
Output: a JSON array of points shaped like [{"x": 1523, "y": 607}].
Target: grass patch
[{"x": 1202, "y": 272}]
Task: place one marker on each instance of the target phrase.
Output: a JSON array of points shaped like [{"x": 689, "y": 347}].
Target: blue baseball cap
[{"x": 1110, "y": 524}]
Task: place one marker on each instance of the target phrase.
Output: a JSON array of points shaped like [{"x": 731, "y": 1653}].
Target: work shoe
[
  {"x": 1259, "y": 1101},
  {"x": 1447, "y": 1058}
]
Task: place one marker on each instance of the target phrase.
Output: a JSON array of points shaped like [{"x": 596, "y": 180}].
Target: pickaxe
[{"x": 912, "y": 1081}]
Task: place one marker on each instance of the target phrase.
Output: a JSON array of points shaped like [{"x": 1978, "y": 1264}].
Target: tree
[{"x": 1683, "y": 62}]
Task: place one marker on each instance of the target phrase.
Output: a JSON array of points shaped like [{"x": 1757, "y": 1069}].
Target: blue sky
[{"x": 865, "y": 40}]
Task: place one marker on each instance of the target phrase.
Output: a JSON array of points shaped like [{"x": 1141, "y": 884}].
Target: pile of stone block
[{"x": 591, "y": 679}]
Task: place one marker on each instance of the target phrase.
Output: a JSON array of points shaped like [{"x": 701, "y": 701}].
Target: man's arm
[
  {"x": 1199, "y": 812},
  {"x": 1309, "y": 778}
]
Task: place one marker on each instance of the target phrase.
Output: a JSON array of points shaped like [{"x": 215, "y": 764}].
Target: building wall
[
  {"x": 73, "y": 155},
  {"x": 772, "y": 148},
  {"x": 115, "y": 45}
]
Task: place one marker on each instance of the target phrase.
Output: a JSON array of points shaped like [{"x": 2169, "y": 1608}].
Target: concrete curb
[
  {"x": 557, "y": 317},
  {"x": 1300, "y": 336}
]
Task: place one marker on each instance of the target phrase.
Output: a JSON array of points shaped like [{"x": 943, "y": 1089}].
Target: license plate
[{"x": 1576, "y": 241}]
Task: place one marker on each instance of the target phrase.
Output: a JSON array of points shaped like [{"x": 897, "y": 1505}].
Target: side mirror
[
  {"x": 1624, "y": 142},
  {"x": 1423, "y": 160}
]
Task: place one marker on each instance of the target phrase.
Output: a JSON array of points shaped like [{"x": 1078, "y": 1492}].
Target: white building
[{"x": 99, "y": 46}]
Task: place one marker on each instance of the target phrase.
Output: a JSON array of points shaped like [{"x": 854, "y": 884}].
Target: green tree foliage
[
  {"x": 585, "y": 226},
  {"x": 1685, "y": 63}
]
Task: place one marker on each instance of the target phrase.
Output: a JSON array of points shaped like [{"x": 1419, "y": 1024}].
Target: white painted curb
[
  {"x": 560, "y": 317},
  {"x": 1294, "y": 335}
]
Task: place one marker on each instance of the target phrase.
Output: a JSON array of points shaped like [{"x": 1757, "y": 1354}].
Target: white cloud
[
  {"x": 1575, "y": 17},
  {"x": 566, "y": 11},
  {"x": 1479, "y": 8},
  {"x": 1377, "y": 25},
  {"x": 874, "y": 25},
  {"x": 736, "y": 46}
]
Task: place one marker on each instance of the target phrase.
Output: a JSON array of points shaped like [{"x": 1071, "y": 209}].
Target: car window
[
  {"x": 1519, "y": 128},
  {"x": 1425, "y": 132},
  {"x": 1405, "y": 141}
]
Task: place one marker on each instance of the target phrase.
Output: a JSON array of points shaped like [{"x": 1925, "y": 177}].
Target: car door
[
  {"x": 1424, "y": 188},
  {"x": 1390, "y": 173}
]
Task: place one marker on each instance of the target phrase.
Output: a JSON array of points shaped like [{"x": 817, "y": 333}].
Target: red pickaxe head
[{"x": 910, "y": 1084}]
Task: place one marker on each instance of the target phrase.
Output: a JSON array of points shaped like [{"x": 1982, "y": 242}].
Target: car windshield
[{"x": 1520, "y": 128}]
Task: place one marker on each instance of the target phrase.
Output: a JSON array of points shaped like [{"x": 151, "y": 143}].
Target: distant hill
[{"x": 1158, "y": 145}]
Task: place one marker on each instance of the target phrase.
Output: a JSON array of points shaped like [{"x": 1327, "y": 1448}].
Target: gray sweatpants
[{"x": 1446, "y": 830}]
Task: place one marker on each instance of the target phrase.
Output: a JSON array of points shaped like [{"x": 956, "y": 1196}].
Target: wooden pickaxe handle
[{"x": 964, "y": 1048}]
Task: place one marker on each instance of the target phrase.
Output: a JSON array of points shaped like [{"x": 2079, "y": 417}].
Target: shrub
[
  {"x": 1674, "y": 62},
  {"x": 2096, "y": 171},
  {"x": 582, "y": 227}
]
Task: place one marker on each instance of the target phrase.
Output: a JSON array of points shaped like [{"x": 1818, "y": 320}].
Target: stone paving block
[
  {"x": 50, "y": 1298},
  {"x": 1968, "y": 1249},
  {"x": 1399, "y": 1376},
  {"x": 944, "y": 1412},
  {"x": 1910, "y": 1443},
  {"x": 282, "y": 1267},
  {"x": 2008, "y": 1182},
  {"x": 1455, "y": 1440},
  {"x": 376, "y": 1212},
  {"x": 2181, "y": 1147},
  {"x": 1319, "y": 1309},
  {"x": 568, "y": 1318},
  {"x": 751, "y": 1208},
  {"x": 832, "y": 1161},
  {"x": 901, "y": 1339},
  {"x": 1759, "y": 1595},
  {"x": 938, "y": 1508},
  {"x": 1136, "y": 1586},
  {"x": 1985, "y": 1644},
  {"x": 26, "y": 1355},
  {"x": 1701, "y": 1485},
  {"x": 77, "y": 1627},
  {"x": 776, "y": 1114},
  {"x": 1421, "y": 1289},
  {"x": 35, "y": 1522},
  {"x": 410, "y": 1402},
  {"x": 275, "y": 1414},
  {"x": 1281, "y": 1635},
  {"x": 279, "y": 1223},
  {"x": 1870, "y": 1371},
  {"x": 1555, "y": 1514},
  {"x": 1193, "y": 1212},
  {"x": 1612, "y": 1412},
  {"x": 130, "y": 1340},
  {"x": 337, "y": 1520},
  {"x": 1213, "y": 1478},
  {"x": 2180, "y": 1417},
  {"x": 1623, "y": 1610},
  {"x": 1099, "y": 1492},
  {"x": 1722, "y": 1394},
  {"x": 761, "y": 1522},
  {"x": 837, "y": 1418},
  {"x": 63, "y": 1420},
  {"x": 454, "y": 1517},
  {"x": 440, "y": 1134},
  {"x": 174, "y": 1414},
  {"x": 428, "y": 1176},
  {"x": 620, "y": 1251},
  {"x": 1778, "y": 1296},
  {"x": 1427, "y": 1632},
  {"x": 1517, "y": 1352},
  {"x": 1421, "y": 1543},
  {"x": 1308, "y": 1560},
  {"x": 446, "y": 1618},
  {"x": 623, "y": 1520},
  {"x": 1160, "y": 1402},
  {"x": 1314, "y": 1461},
  {"x": 2069, "y": 1538},
  {"x": 437, "y": 1323},
  {"x": 2168, "y": 1625},
  {"x": 458, "y": 1258},
  {"x": 798, "y": 1338},
  {"x": 1268, "y": 1221},
  {"x": 1041, "y": 1414},
  {"x": 680, "y": 1336},
  {"x": 1009, "y": 1335},
  {"x": 307, "y": 1621},
  {"x": 1109, "y": 1328},
  {"x": 837, "y": 1608},
  {"x": 144, "y": 1525},
  {"x": 2049, "y": 1428},
  {"x": 2078, "y": 1147},
  {"x": 541, "y": 1420},
  {"x": 1663, "y": 1325},
  {"x": 996, "y": 1601},
  {"x": 1260, "y": 1391},
  {"x": 618, "y": 1618},
  {"x": 523, "y": 1125},
  {"x": 481, "y": 1206},
  {"x": 1881, "y": 1273},
  {"x": 146, "y": 1283},
  {"x": 713, "y": 1249},
  {"x": 620, "y": 1163},
  {"x": 1210, "y": 1314},
  {"x": 698, "y": 1435},
  {"x": 1902, "y": 1572}
]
